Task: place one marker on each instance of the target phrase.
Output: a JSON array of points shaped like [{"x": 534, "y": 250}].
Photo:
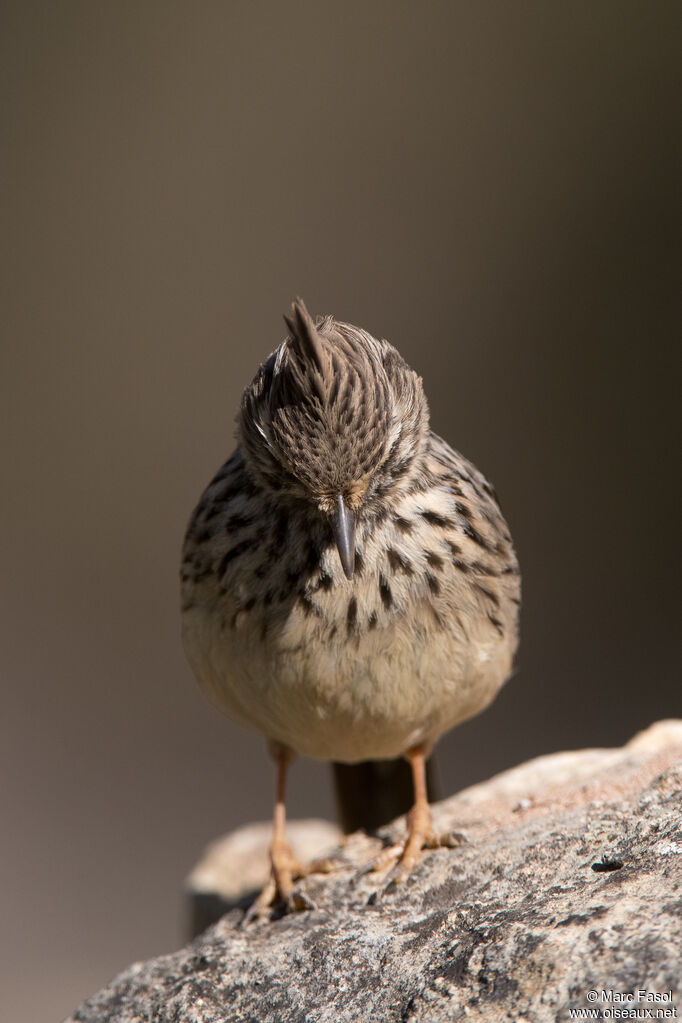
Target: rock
[{"x": 566, "y": 896}]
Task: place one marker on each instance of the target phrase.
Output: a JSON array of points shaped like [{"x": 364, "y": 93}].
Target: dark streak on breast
[
  {"x": 397, "y": 560},
  {"x": 469, "y": 531},
  {"x": 309, "y": 607},
  {"x": 233, "y": 553},
  {"x": 237, "y": 521},
  {"x": 351, "y": 615},
  {"x": 488, "y": 594},
  {"x": 385, "y": 592},
  {"x": 325, "y": 582},
  {"x": 497, "y": 623},
  {"x": 434, "y": 519}
]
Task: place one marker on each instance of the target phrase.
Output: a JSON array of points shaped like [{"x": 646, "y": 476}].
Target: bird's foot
[
  {"x": 404, "y": 856},
  {"x": 280, "y": 888}
]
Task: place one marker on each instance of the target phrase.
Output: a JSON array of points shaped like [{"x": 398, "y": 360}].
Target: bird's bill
[{"x": 343, "y": 525}]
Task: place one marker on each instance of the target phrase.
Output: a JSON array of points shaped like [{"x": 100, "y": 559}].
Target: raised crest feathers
[
  {"x": 304, "y": 334},
  {"x": 307, "y": 345}
]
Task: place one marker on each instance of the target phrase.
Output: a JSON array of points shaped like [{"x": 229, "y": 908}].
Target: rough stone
[{"x": 569, "y": 884}]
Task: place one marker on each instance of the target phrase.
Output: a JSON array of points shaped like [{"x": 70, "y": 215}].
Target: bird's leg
[
  {"x": 284, "y": 867},
  {"x": 420, "y": 832}
]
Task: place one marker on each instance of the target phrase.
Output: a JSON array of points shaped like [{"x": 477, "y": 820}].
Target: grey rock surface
[{"x": 569, "y": 884}]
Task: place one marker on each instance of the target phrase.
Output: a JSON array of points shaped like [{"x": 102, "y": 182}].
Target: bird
[{"x": 350, "y": 588}]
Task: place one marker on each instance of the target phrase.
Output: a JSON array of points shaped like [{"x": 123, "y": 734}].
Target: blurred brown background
[{"x": 494, "y": 188}]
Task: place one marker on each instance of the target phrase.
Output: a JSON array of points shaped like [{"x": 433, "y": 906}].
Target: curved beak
[{"x": 343, "y": 526}]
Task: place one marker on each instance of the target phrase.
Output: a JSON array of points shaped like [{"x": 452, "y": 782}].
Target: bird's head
[{"x": 336, "y": 419}]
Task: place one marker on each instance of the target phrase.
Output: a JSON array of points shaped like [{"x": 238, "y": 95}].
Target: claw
[
  {"x": 451, "y": 840},
  {"x": 298, "y": 902}
]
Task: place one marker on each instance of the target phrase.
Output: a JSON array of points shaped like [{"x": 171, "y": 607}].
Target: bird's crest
[
  {"x": 311, "y": 361},
  {"x": 321, "y": 412}
]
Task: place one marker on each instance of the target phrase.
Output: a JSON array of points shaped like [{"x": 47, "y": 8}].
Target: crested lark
[{"x": 349, "y": 584}]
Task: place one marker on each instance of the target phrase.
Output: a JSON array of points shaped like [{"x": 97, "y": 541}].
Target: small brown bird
[{"x": 349, "y": 585}]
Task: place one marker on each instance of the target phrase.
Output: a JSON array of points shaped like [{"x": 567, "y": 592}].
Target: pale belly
[{"x": 347, "y": 698}]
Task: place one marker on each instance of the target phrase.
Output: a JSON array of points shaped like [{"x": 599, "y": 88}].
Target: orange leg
[
  {"x": 420, "y": 827},
  {"x": 420, "y": 833},
  {"x": 284, "y": 867}
]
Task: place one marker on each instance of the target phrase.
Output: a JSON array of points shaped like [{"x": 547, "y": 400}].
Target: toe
[
  {"x": 386, "y": 858},
  {"x": 327, "y": 865},
  {"x": 261, "y": 905},
  {"x": 444, "y": 840}
]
